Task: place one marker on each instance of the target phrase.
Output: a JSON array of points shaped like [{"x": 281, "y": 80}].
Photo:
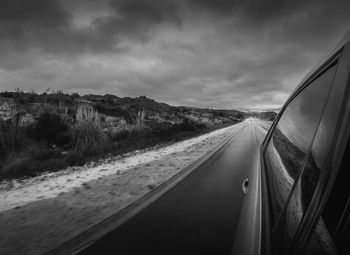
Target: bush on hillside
[
  {"x": 12, "y": 138},
  {"x": 50, "y": 128},
  {"x": 121, "y": 136},
  {"x": 75, "y": 158},
  {"x": 87, "y": 136},
  {"x": 25, "y": 166}
]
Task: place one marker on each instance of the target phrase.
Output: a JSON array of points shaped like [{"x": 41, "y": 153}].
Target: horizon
[{"x": 247, "y": 110}]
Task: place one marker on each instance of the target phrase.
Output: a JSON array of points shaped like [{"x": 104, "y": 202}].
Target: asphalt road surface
[{"x": 197, "y": 216}]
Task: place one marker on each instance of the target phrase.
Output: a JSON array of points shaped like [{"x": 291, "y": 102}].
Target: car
[{"x": 297, "y": 197}]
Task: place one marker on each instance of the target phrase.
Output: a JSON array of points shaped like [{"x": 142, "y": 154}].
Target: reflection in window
[
  {"x": 305, "y": 187},
  {"x": 321, "y": 242},
  {"x": 284, "y": 162},
  {"x": 287, "y": 154},
  {"x": 300, "y": 198}
]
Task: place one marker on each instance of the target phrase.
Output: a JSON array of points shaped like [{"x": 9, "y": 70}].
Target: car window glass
[
  {"x": 305, "y": 187},
  {"x": 286, "y": 153}
]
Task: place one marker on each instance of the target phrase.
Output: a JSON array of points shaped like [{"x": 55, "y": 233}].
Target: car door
[{"x": 296, "y": 156}]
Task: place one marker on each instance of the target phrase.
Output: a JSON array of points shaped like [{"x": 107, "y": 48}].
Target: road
[{"x": 197, "y": 216}]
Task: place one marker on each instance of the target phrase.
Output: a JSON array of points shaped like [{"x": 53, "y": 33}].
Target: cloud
[
  {"x": 221, "y": 54},
  {"x": 73, "y": 28},
  {"x": 31, "y": 23}
]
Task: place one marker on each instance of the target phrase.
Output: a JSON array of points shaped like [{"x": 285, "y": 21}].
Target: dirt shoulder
[{"x": 40, "y": 213}]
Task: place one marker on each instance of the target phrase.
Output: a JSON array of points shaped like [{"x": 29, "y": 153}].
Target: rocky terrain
[
  {"x": 116, "y": 112},
  {"x": 51, "y": 131}
]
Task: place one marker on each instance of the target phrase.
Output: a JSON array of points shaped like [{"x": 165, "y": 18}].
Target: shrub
[
  {"x": 122, "y": 135},
  {"x": 75, "y": 158},
  {"x": 12, "y": 138},
  {"x": 49, "y": 128},
  {"x": 16, "y": 167},
  {"x": 87, "y": 113},
  {"x": 63, "y": 140},
  {"x": 20, "y": 166},
  {"x": 45, "y": 154},
  {"x": 87, "y": 135},
  {"x": 5, "y": 139},
  {"x": 53, "y": 164}
]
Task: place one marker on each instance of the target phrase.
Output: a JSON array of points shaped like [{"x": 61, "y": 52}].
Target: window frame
[
  {"x": 334, "y": 158},
  {"x": 342, "y": 55}
]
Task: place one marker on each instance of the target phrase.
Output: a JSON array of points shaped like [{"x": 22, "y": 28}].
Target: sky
[{"x": 245, "y": 54}]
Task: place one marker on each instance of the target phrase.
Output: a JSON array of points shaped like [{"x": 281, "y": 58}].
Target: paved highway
[{"x": 197, "y": 216}]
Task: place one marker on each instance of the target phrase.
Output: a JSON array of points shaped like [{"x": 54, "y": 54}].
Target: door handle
[{"x": 245, "y": 185}]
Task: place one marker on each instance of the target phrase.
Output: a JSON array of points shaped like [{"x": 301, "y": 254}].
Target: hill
[
  {"x": 48, "y": 132},
  {"x": 127, "y": 110}
]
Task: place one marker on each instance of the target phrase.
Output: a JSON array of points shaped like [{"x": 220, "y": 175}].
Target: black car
[{"x": 298, "y": 198}]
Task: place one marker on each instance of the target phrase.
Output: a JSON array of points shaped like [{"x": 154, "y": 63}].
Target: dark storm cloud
[
  {"x": 260, "y": 12},
  {"x": 49, "y": 25},
  {"x": 25, "y": 23},
  {"x": 39, "y": 13},
  {"x": 257, "y": 10},
  {"x": 151, "y": 11},
  {"x": 137, "y": 19},
  {"x": 305, "y": 22},
  {"x": 213, "y": 53}
]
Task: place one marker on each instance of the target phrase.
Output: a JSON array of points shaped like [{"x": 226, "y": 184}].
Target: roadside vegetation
[{"x": 50, "y": 132}]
